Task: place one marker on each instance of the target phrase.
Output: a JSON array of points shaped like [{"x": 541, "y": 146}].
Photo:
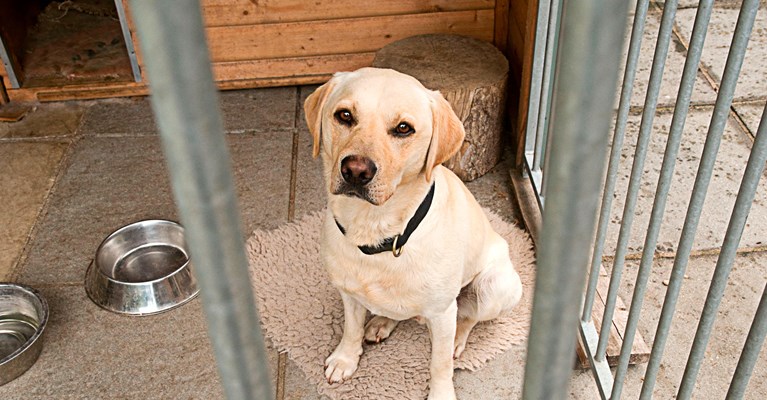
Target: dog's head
[{"x": 377, "y": 129}]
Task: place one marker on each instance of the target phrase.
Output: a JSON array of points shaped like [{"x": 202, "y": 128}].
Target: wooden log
[{"x": 472, "y": 75}]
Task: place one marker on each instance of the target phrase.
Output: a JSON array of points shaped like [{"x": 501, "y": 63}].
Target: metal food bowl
[
  {"x": 142, "y": 269},
  {"x": 23, "y": 315}
]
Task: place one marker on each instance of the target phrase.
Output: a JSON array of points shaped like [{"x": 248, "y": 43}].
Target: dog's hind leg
[
  {"x": 379, "y": 328},
  {"x": 493, "y": 292}
]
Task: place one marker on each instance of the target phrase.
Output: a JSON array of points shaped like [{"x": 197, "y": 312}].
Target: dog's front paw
[
  {"x": 442, "y": 392},
  {"x": 339, "y": 367}
]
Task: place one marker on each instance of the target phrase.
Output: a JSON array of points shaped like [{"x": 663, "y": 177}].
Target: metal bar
[
  {"x": 635, "y": 44},
  {"x": 536, "y": 79},
  {"x": 643, "y": 141},
  {"x": 555, "y": 26},
  {"x": 746, "y": 193},
  {"x": 549, "y": 62},
  {"x": 588, "y": 54},
  {"x": 186, "y": 108},
  {"x": 601, "y": 369},
  {"x": 681, "y": 108},
  {"x": 8, "y": 64},
  {"x": 128, "y": 40},
  {"x": 751, "y": 351}
]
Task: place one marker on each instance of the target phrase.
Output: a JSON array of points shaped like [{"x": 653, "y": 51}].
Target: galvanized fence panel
[{"x": 611, "y": 386}]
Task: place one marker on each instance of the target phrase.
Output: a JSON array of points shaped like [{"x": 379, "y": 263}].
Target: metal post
[
  {"x": 681, "y": 108},
  {"x": 750, "y": 352},
  {"x": 186, "y": 107},
  {"x": 589, "y": 52},
  {"x": 635, "y": 44}
]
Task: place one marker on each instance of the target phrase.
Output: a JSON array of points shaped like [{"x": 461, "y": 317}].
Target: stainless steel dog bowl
[
  {"x": 142, "y": 269},
  {"x": 23, "y": 315}
]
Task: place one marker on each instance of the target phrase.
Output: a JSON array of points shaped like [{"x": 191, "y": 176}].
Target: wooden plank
[
  {"x": 527, "y": 73},
  {"x": 516, "y": 33},
  {"x": 299, "y": 66},
  {"x": 356, "y": 35},
  {"x": 140, "y": 89},
  {"x": 640, "y": 351},
  {"x": 501, "y": 39},
  {"x": 528, "y": 203},
  {"x": 248, "y": 12}
]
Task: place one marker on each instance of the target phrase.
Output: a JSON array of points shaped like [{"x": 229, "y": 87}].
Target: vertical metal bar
[
  {"x": 589, "y": 52},
  {"x": 635, "y": 45},
  {"x": 664, "y": 183},
  {"x": 750, "y": 352},
  {"x": 643, "y": 141},
  {"x": 746, "y": 193},
  {"x": 186, "y": 107},
  {"x": 536, "y": 79},
  {"x": 702, "y": 179},
  {"x": 8, "y": 64},
  {"x": 544, "y": 106},
  {"x": 554, "y": 26},
  {"x": 128, "y": 40}
]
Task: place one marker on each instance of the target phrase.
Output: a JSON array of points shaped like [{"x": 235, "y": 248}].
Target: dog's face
[{"x": 377, "y": 129}]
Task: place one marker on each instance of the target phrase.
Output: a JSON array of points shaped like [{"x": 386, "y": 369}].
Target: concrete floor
[{"x": 73, "y": 172}]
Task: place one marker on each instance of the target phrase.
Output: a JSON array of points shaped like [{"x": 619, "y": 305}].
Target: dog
[{"x": 402, "y": 236}]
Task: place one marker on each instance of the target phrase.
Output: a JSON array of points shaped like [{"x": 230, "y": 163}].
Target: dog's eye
[
  {"x": 403, "y": 129},
  {"x": 345, "y": 117}
]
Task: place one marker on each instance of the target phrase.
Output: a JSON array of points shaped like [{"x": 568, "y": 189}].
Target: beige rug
[{"x": 302, "y": 314}]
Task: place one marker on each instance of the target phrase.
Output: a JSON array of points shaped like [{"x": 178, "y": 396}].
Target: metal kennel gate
[
  {"x": 558, "y": 151},
  {"x": 577, "y": 53}
]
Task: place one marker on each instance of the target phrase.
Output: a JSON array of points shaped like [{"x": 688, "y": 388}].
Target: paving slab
[
  {"x": 92, "y": 353},
  {"x": 736, "y": 312},
  {"x": 29, "y": 170},
  {"x": 114, "y": 181},
  {"x": 122, "y": 116},
  {"x": 46, "y": 120},
  {"x": 728, "y": 170},
  {"x": 251, "y": 110},
  {"x": 752, "y": 82},
  {"x": 672, "y": 75},
  {"x": 259, "y": 110}
]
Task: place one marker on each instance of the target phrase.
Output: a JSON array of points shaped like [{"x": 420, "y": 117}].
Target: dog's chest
[{"x": 391, "y": 292}]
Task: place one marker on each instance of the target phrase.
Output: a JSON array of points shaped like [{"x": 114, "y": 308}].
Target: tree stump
[{"x": 471, "y": 75}]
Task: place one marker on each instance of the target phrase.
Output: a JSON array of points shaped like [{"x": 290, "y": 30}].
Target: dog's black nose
[{"x": 358, "y": 170}]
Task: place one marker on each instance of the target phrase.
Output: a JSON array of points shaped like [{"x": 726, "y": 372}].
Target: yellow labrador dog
[{"x": 403, "y": 237}]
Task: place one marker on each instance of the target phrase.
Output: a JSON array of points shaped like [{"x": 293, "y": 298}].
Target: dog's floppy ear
[
  {"x": 313, "y": 111},
  {"x": 447, "y": 133}
]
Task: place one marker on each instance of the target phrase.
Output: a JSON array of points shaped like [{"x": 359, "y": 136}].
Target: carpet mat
[{"x": 301, "y": 312}]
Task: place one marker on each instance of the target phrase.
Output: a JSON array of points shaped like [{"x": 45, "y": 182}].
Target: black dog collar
[{"x": 397, "y": 242}]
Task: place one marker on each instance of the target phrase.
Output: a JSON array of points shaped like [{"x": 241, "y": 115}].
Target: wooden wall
[{"x": 285, "y": 42}]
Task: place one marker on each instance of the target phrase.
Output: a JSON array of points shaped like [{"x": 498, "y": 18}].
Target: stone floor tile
[
  {"x": 751, "y": 114},
  {"x": 252, "y": 110},
  {"x": 752, "y": 83},
  {"x": 728, "y": 171},
  {"x": 28, "y": 174},
  {"x": 46, "y": 120},
  {"x": 113, "y": 181},
  {"x": 92, "y": 353},
  {"x": 672, "y": 75},
  {"x": 259, "y": 110},
  {"x": 741, "y": 297},
  {"x": 122, "y": 116}
]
